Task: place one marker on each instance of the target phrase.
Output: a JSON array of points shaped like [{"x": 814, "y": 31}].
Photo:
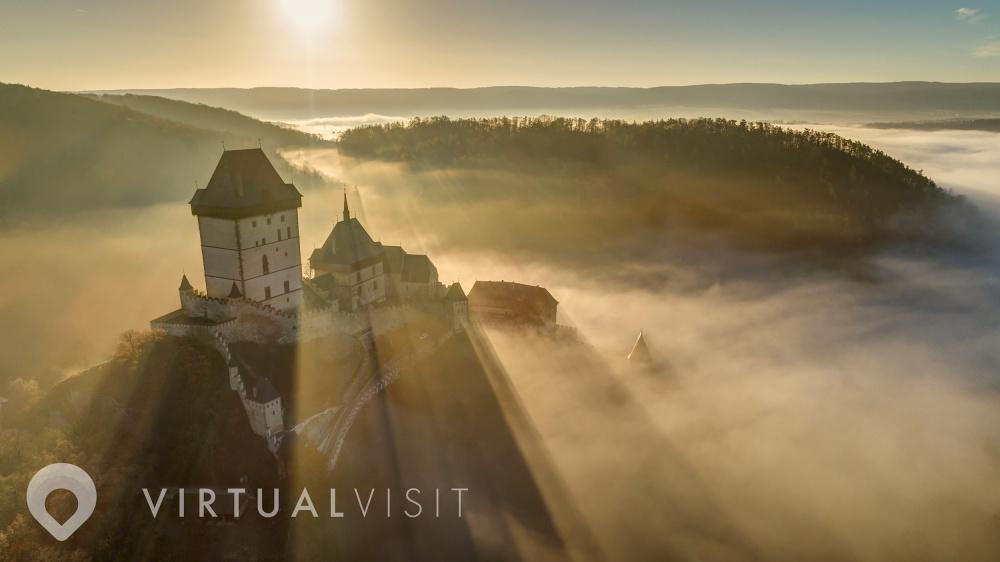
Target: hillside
[
  {"x": 771, "y": 187},
  {"x": 65, "y": 154},
  {"x": 450, "y": 420},
  {"x": 990, "y": 125},
  {"x": 158, "y": 414},
  {"x": 213, "y": 118},
  {"x": 902, "y": 98}
]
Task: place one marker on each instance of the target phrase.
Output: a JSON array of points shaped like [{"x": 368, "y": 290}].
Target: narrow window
[
  {"x": 253, "y": 224},
  {"x": 375, "y": 285},
  {"x": 279, "y": 235},
  {"x": 267, "y": 292},
  {"x": 268, "y": 220},
  {"x": 264, "y": 264},
  {"x": 288, "y": 286},
  {"x": 289, "y": 231},
  {"x": 263, "y": 241},
  {"x": 282, "y": 218}
]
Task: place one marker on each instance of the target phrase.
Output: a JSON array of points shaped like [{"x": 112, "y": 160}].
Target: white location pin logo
[{"x": 62, "y": 476}]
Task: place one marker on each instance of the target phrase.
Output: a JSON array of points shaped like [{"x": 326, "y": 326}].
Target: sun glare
[{"x": 308, "y": 14}]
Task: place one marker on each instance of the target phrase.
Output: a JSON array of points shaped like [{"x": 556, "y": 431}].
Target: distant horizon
[{"x": 514, "y": 85}]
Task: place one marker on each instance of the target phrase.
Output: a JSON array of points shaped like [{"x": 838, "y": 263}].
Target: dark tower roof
[
  {"x": 244, "y": 184},
  {"x": 455, "y": 293},
  {"x": 185, "y": 284},
  {"x": 347, "y": 211},
  {"x": 235, "y": 293},
  {"x": 348, "y": 243}
]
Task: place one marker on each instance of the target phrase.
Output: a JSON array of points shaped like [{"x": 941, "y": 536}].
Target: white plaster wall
[
  {"x": 256, "y": 231},
  {"x": 369, "y": 285},
  {"x": 218, "y": 233},
  {"x": 234, "y": 250},
  {"x": 221, "y": 263},
  {"x": 276, "y": 281},
  {"x": 274, "y": 416},
  {"x": 280, "y": 255}
]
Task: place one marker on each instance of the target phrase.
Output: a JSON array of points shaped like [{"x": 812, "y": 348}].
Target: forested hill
[
  {"x": 63, "y": 154},
  {"x": 991, "y": 125},
  {"x": 769, "y": 184},
  {"x": 207, "y": 117}
]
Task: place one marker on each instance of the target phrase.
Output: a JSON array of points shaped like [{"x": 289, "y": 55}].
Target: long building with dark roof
[{"x": 509, "y": 302}]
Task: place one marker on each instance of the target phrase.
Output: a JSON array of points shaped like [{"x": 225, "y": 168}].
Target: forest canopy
[{"x": 783, "y": 187}]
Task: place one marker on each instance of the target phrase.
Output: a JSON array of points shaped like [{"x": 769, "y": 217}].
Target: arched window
[{"x": 267, "y": 268}]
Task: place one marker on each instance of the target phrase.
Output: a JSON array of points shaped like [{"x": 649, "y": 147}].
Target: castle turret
[
  {"x": 457, "y": 305},
  {"x": 248, "y": 221},
  {"x": 190, "y": 303}
]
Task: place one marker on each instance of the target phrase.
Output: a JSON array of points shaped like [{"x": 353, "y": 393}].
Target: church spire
[{"x": 347, "y": 212}]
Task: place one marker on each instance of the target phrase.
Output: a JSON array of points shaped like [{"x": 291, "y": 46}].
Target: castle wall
[
  {"x": 248, "y": 320},
  {"x": 260, "y": 254},
  {"x": 222, "y": 268},
  {"x": 264, "y": 229},
  {"x": 368, "y": 285},
  {"x": 217, "y": 233},
  {"x": 266, "y": 419}
]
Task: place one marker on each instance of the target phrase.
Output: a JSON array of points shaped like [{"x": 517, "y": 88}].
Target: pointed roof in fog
[
  {"x": 185, "y": 284},
  {"x": 244, "y": 184},
  {"x": 640, "y": 352},
  {"x": 235, "y": 293},
  {"x": 455, "y": 293}
]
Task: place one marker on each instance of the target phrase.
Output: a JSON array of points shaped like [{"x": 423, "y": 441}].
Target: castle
[
  {"x": 255, "y": 291},
  {"x": 353, "y": 271}
]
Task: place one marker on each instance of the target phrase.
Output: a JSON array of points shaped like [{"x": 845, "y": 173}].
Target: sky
[{"x": 109, "y": 44}]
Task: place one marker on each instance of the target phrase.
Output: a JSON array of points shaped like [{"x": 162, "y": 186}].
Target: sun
[{"x": 308, "y": 14}]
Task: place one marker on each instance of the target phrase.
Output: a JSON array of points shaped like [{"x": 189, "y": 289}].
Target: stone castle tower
[{"x": 248, "y": 221}]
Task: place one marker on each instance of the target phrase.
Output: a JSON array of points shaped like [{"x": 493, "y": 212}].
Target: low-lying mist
[
  {"x": 813, "y": 419},
  {"x": 796, "y": 413}
]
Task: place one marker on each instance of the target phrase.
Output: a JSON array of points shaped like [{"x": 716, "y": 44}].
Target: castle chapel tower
[{"x": 248, "y": 221}]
